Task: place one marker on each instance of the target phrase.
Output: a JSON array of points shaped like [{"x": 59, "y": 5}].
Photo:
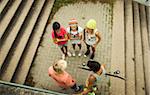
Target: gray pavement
[{"x": 48, "y": 52}]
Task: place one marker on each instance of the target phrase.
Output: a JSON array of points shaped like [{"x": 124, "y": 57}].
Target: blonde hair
[{"x": 60, "y": 64}]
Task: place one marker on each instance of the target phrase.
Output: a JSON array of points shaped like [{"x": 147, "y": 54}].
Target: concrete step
[
  {"x": 29, "y": 53},
  {"x": 118, "y": 46},
  {"x": 148, "y": 22},
  {"x": 12, "y": 31},
  {"x": 145, "y": 46},
  {"x": 140, "y": 83},
  {"x": 129, "y": 46},
  {"x": 148, "y": 26},
  {"x": 5, "y": 8},
  {"x": 21, "y": 41},
  {"x": 8, "y": 16},
  {"x": 3, "y": 3}
]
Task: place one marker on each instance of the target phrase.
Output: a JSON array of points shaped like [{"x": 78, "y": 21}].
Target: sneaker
[
  {"x": 83, "y": 64},
  {"x": 85, "y": 55},
  {"x": 63, "y": 56},
  {"x": 73, "y": 54},
  {"x": 80, "y": 53},
  {"x": 79, "y": 88},
  {"x": 69, "y": 54}
]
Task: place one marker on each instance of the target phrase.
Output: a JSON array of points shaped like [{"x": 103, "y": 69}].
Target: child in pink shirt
[
  {"x": 62, "y": 78},
  {"x": 60, "y": 37}
]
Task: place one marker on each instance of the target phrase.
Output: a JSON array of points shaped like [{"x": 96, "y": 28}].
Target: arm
[
  {"x": 85, "y": 92},
  {"x": 83, "y": 36},
  {"x": 98, "y": 38},
  {"x": 91, "y": 81},
  {"x": 73, "y": 38},
  {"x": 65, "y": 39},
  {"x": 80, "y": 36},
  {"x": 103, "y": 68},
  {"x": 54, "y": 39},
  {"x": 80, "y": 29},
  {"x": 69, "y": 36}
]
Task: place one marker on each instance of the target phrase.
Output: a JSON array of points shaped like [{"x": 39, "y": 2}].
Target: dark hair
[
  {"x": 56, "y": 26},
  {"x": 94, "y": 66}
]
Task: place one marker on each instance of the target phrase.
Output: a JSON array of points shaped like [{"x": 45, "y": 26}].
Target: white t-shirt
[
  {"x": 90, "y": 39},
  {"x": 75, "y": 34}
]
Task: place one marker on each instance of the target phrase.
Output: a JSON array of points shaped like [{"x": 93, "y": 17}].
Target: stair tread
[
  {"x": 13, "y": 61},
  {"x": 3, "y": 4},
  {"x": 140, "y": 83},
  {"x": 8, "y": 16},
  {"x": 148, "y": 22},
  {"x": 118, "y": 60},
  {"x": 27, "y": 60},
  {"x": 4, "y": 49},
  {"x": 130, "y": 70},
  {"x": 145, "y": 46}
]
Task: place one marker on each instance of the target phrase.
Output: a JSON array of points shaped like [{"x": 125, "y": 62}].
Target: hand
[
  {"x": 83, "y": 41},
  {"x": 73, "y": 38},
  {"x": 94, "y": 45},
  {"x": 57, "y": 40}
]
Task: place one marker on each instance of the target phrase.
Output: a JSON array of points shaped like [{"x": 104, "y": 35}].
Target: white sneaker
[
  {"x": 69, "y": 54},
  {"x": 73, "y": 54},
  {"x": 80, "y": 53},
  {"x": 63, "y": 56},
  {"x": 85, "y": 56}
]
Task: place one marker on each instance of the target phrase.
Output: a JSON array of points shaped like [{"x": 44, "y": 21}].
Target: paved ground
[
  {"x": 49, "y": 52},
  {"x": 11, "y": 90}
]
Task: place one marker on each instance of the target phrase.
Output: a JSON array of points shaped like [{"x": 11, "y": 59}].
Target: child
[
  {"x": 75, "y": 35},
  {"x": 60, "y": 38},
  {"x": 91, "y": 83},
  {"x": 91, "y": 37},
  {"x": 62, "y": 78}
]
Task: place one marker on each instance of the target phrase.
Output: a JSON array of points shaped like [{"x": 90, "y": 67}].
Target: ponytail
[{"x": 56, "y": 26}]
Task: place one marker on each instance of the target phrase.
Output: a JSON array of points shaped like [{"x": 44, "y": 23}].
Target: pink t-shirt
[
  {"x": 61, "y": 34},
  {"x": 63, "y": 80}
]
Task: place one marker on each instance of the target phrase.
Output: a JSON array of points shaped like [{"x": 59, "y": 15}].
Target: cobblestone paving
[{"x": 49, "y": 52}]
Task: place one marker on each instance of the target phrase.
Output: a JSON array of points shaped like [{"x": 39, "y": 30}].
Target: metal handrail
[{"x": 30, "y": 88}]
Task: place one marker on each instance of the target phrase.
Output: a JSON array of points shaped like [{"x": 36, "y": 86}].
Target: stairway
[
  {"x": 131, "y": 42},
  {"x": 22, "y": 24}
]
